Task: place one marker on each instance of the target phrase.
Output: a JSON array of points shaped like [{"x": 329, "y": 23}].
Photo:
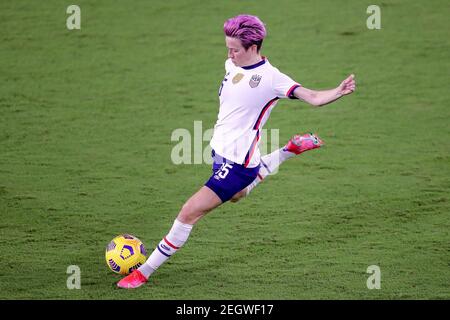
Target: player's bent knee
[
  {"x": 187, "y": 213},
  {"x": 238, "y": 196},
  {"x": 190, "y": 214}
]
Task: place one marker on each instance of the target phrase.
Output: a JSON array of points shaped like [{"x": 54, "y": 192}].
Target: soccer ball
[{"x": 125, "y": 253}]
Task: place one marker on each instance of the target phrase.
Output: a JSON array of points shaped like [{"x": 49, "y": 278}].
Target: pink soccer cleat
[
  {"x": 132, "y": 281},
  {"x": 301, "y": 143}
]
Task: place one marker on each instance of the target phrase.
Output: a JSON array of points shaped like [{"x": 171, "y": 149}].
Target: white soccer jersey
[{"x": 247, "y": 96}]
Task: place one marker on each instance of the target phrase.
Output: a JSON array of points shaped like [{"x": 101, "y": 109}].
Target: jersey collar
[{"x": 256, "y": 65}]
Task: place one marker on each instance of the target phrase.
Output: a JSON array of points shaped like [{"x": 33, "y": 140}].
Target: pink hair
[{"x": 249, "y": 29}]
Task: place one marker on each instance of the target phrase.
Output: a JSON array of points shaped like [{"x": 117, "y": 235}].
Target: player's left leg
[
  {"x": 227, "y": 178},
  {"x": 295, "y": 146},
  {"x": 202, "y": 202}
]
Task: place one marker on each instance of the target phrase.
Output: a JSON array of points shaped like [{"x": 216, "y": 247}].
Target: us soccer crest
[{"x": 254, "y": 81}]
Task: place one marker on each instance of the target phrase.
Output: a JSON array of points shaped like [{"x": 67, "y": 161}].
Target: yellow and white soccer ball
[{"x": 125, "y": 253}]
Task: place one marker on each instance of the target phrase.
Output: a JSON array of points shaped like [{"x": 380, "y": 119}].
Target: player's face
[{"x": 237, "y": 53}]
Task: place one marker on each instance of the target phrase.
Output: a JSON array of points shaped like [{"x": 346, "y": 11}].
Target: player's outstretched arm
[{"x": 323, "y": 97}]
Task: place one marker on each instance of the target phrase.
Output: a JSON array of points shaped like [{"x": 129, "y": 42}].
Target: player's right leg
[{"x": 295, "y": 146}]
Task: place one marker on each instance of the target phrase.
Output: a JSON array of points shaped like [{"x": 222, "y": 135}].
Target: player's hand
[{"x": 347, "y": 86}]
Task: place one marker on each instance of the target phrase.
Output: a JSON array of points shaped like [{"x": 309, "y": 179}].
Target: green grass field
[{"x": 85, "y": 144}]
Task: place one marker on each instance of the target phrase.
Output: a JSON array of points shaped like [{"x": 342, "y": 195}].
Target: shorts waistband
[{"x": 219, "y": 159}]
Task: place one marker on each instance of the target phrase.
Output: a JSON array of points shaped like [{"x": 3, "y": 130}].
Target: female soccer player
[{"x": 249, "y": 91}]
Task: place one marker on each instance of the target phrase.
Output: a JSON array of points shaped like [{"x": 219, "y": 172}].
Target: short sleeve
[{"x": 283, "y": 85}]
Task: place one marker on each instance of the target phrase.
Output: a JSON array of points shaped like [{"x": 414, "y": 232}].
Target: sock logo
[
  {"x": 166, "y": 248},
  {"x": 74, "y": 280},
  {"x": 163, "y": 246}
]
